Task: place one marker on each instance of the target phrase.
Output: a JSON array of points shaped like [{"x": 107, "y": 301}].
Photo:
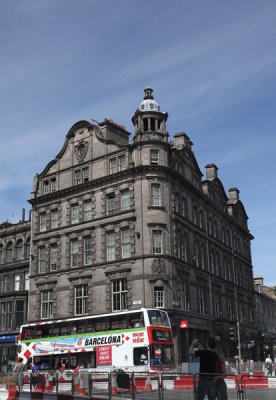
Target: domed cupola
[
  {"x": 149, "y": 104},
  {"x": 149, "y": 122}
]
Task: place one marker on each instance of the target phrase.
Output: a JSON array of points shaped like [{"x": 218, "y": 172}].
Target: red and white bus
[{"x": 139, "y": 340}]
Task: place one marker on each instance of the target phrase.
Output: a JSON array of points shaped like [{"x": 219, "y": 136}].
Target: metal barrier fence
[
  {"x": 142, "y": 385},
  {"x": 257, "y": 386}
]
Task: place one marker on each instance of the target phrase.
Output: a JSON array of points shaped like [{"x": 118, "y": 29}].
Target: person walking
[
  {"x": 208, "y": 359},
  {"x": 34, "y": 376},
  {"x": 268, "y": 364},
  {"x": 18, "y": 370}
]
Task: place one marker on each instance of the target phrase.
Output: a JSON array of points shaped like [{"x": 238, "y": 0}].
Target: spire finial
[{"x": 148, "y": 93}]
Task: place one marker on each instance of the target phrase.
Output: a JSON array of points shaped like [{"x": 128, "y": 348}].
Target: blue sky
[{"x": 211, "y": 64}]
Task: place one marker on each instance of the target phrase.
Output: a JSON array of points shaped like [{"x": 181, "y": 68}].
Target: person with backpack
[{"x": 34, "y": 376}]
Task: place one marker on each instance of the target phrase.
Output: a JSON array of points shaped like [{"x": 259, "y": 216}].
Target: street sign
[{"x": 184, "y": 324}]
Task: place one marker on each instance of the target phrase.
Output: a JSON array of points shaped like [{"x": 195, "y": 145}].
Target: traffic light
[{"x": 232, "y": 333}]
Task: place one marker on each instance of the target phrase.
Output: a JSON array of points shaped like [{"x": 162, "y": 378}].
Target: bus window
[
  {"x": 64, "y": 330},
  {"x": 140, "y": 356},
  {"x": 55, "y": 330},
  {"x": 91, "y": 359},
  {"x": 157, "y": 317},
  {"x": 90, "y": 326},
  {"x": 100, "y": 324},
  {"x": 161, "y": 354},
  {"x": 45, "y": 331},
  {"x": 28, "y": 333},
  {"x": 118, "y": 322},
  {"x": 136, "y": 320},
  {"x": 79, "y": 326}
]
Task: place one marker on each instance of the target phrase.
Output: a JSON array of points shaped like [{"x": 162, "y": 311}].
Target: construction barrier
[{"x": 136, "y": 385}]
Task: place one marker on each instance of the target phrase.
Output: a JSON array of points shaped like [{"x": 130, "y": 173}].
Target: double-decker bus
[{"x": 139, "y": 340}]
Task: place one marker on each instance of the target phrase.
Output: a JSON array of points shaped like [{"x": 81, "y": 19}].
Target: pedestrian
[
  {"x": 221, "y": 386},
  {"x": 18, "y": 370},
  {"x": 208, "y": 359},
  {"x": 268, "y": 364},
  {"x": 34, "y": 376}
]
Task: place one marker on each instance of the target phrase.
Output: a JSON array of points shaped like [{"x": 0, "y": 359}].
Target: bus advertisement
[{"x": 139, "y": 340}]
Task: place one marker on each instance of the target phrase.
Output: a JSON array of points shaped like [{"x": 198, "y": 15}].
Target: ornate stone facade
[{"x": 120, "y": 225}]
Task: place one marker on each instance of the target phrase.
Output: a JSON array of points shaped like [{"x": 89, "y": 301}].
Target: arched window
[
  {"x": 9, "y": 252},
  {"x": 19, "y": 250}
]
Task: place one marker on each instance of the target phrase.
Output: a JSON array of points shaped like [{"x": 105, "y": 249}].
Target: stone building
[
  {"x": 120, "y": 224},
  {"x": 266, "y": 312},
  {"x": 15, "y": 240}
]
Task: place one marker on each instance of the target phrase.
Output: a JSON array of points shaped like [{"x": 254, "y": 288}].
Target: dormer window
[
  {"x": 81, "y": 175},
  {"x": 45, "y": 187},
  {"x": 53, "y": 185}
]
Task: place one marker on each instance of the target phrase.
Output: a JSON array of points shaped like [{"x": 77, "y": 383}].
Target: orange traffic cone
[
  {"x": 13, "y": 394},
  {"x": 148, "y": 384},
  {"x": 81, "y": 386},
  {"x": 47, "y": 386},
  {"x": 76, "y": 382},
  {"x": 113, "y": 384}
]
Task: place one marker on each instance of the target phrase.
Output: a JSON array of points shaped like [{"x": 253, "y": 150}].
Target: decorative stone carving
[
  {"x": 158, "y": 267},
  {"x": 81, "y": 149}
]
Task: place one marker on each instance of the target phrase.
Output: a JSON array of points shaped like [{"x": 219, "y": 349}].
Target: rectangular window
[
  {"x": 41, "y": 260},
  {"x": 19, "y": 251},
  {"x": 9, "y": 315},
  {"x": 125, "y": 243},
  {"x": 155, "y": 195},
  {"x": 110, "y": 204},
  {"x": 125, "y": 200},
  {"x": 184, "y": 296},
  {"x": 3, "y": 313},
  {"x": 201, "y": 301},
  {"x": 17, "y": 282},
  {"x": 53, "y": 257},
  {"x": 110, "y": 246},
  {"x": 54, "y": 219},
  {"x": 9, "y": 283},
  {"x": 217, "y": 300},
  {"x": 46, "y": 304},
  {"x": 74, "y": 253},
  {"x": 157, "y": 241},
  {"x": 53, "y": 185},
  {"x": 119, "y": 295},
  {"x": 81, "y": 175},
  {"x": 112, "y": 165},
  {"x": 43, "y": 222},
  {"x": 159, "y": 300},
  {"x": 27, "y": 281},
  {"x": 75, "y": 214},
  {"x": 121, "y": 162},
  {"x": 81, "y": 297},
  {"x": 87, "y": 250},
  {"x": 87, "y": 210},
  {"x": 19, "y": 313},
  {"x": 45, "y": 187},
  {"x": 154, "y": 156},
  {"x": 77, "y": 177}
]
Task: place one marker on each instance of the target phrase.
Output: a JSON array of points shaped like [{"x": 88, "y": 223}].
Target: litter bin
[{"x": 123, "y": 381}]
